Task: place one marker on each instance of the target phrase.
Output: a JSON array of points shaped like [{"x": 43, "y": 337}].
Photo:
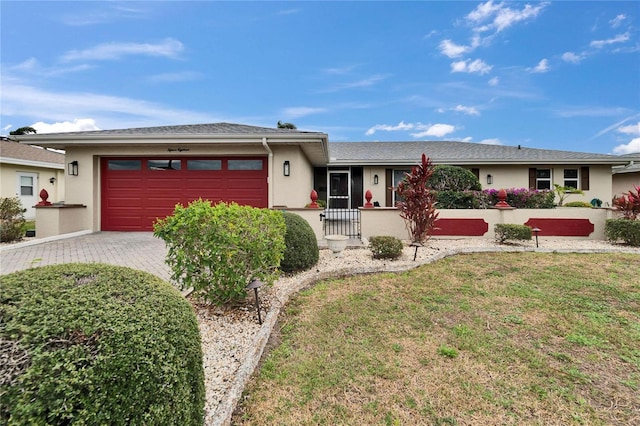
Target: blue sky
[{"x": 559, "y": 75}]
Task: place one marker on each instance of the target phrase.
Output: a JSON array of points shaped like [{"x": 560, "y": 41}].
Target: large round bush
[
  {"x": 301, "y": 251},
  {"x": 453, "y": 178},
  {"x": 93, "y": 344}
]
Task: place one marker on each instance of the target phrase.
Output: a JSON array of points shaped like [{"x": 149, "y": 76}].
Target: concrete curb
[
  {"x": 44, "y": 240},
  {"x": 224, "y": 411}
]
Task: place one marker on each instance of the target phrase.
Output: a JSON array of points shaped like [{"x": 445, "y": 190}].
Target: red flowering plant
[
  {"x": 417, "y": 207},
  {"x": 628, "y": 204}
]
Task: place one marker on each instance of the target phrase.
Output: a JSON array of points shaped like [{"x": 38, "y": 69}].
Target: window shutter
[
  {"x": 532, "y": 178},
  {"x": 584, "y": 178},
  {"x": 476, "y": 172},
  {"x": 388, "y": 183}
]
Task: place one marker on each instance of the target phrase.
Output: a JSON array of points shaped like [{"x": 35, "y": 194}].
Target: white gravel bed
[{"x": 233, "y": 341}]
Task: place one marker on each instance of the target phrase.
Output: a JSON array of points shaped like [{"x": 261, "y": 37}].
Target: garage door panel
[{"x": 133, "y": 199}]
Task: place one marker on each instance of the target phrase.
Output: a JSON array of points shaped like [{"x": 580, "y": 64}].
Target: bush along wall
[
  {"x": 301, "y": 250},
  {"x": 11, "y": 219},
  {"x": 512, "y": 232},
  {"x": 93, "y": 344}
]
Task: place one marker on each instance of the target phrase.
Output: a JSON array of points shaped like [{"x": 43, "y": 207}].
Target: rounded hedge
[
  {"x": 453, "y": 178},
  {"x": 97, "y": 344},
  {"x": 301, "y": 252},
  {"x": 385, "y": 247}
]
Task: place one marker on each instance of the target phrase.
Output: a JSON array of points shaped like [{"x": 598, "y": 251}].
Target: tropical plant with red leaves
[
  {"x": 417, "y": 207},
  {"x": 628, "y": 204}
]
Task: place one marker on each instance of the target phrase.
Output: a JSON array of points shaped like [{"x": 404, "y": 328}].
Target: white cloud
[
  {"x": 467, "y": 139},
  {"x": 110, "y": 51},
  {"x": 491, "y": 141},
  {"x": 572, "y": 57},
  {"x": 620, "y": 38},
  {"x": 385, "y": 127},
  {"x": 466, "y": 110},
  {"x": 78, "y": 125},
  {"x": 365, "y": 82},
  {"x": 452, "y": 50},
  {"x": 630, "y": 148},
  {"x": 296, "y": 112},
  {"x": 107, "y": 111},
  {"x": 501, "y": 16},
  {"x": 617, "y": 21},
  {"x": 468, "y": 66},
  {"x": 494, "y": 81},
  {"x": 542, "y": 67},
  {"x": 633, "y": 129},
  {"x": 437, "y": 130}
]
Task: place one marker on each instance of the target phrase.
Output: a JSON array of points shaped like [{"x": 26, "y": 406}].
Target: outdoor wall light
[
  {"x": 489, "y": 179},
  {"x": 255, "y": 285},
  {"x": 286, "y": 168},
  {"x": 52, "y": 180},
  {"x": 375, "y": 179},
  {"x": 72, "y": 168}
]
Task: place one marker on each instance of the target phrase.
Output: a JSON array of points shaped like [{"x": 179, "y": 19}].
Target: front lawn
[{"x": 488, "y": 338}]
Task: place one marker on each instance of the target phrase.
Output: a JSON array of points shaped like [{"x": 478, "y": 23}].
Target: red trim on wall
[
  {"x": 561, "y": 227},
  {"x": 462, "y": 226}
]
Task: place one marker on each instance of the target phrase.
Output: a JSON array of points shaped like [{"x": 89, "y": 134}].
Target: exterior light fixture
[
  {"x": 286, "y": 168},
  {"x": 255, "y": 285},
  {"x": 375, "y": 179},
  {"x": 489, "y": 179},
  {"x": 536, "y": 230},
  {"x": 52, "y": 180},
  {"x": 72, "y": 168}
]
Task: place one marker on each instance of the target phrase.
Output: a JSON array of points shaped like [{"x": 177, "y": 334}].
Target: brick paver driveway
[{"x": 138, "y": 250}]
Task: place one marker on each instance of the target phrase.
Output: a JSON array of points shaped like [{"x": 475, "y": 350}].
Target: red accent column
[
  {"x": 368, "y": 196},
  {"x": 314, "y": 198}
]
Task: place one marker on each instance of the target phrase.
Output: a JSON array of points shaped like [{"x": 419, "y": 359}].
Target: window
[
  {"x": 204, "y": 164},
  {"x": 398, "y": 176},
  {"x": 571, "y": 178},
  {"x": 26, "y": 185},
  {"x": 124, "y": 164},
  {"x": 543, "y": 179},
  {"x": 244, "y": 165},
  {"x": 164, "y": 165}
]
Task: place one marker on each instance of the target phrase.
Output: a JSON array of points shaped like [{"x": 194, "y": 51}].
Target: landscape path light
[
  {"x": 255, "y": 285},
  {"x": 536, "y": 230}
]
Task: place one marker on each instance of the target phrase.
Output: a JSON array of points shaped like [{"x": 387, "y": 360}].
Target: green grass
[{"x": 512, "y": 338}]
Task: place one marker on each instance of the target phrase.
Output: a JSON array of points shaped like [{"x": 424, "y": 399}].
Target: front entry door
[
  {"x": 339, "y": 190},
  {"x": 27, "y": 191}
]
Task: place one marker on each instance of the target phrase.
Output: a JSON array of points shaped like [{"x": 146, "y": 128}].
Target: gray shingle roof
[
  {"x": 18, "y": 151},
  {"x": 188, "y": 129},
  {"x": 459, "y": 153}
]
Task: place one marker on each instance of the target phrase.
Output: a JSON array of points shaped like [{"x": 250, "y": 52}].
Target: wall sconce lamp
[
  {"x": 72, "y": 168},
  {"x": 52, "y": 180},
  {"x": 489, "y": 179},
  {"x": 375, "y": 179},
  {"x": 286, "y": 168}
]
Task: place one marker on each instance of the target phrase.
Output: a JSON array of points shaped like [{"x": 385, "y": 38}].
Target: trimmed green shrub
[
  {"x": 301, "y": 251},
  {"x": 11, "y": 219},
  {"x": 453, "y": 178},
  {"x": 218, "y": 249},
  {"x": 385, "y": 247},
  {"x": 577, "y": 204},
  {"x": 624, "y": 230},
  {"x": 92, "y": 344},
  {"x": 511, "y": 231},
  {"x": 457, "y": 200}
]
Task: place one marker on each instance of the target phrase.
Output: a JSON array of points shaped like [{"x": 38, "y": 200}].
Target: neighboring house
[
  {"x": 26, "y": 170},
  {"x": 127, "y": 178},
  {"x": 627, "y": 176}
]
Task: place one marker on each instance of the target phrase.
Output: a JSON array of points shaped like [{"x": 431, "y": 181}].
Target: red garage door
[{"x": 136, "y": 191}]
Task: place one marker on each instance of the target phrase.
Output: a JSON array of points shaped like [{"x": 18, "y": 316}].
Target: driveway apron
[{"x": 137, "y": 250}]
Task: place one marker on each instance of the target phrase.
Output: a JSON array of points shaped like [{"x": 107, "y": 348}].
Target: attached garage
[{"x": 135, "y": 191}]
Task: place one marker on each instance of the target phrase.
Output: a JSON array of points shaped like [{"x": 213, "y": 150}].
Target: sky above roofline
[{"x": 551, "y": 75}]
